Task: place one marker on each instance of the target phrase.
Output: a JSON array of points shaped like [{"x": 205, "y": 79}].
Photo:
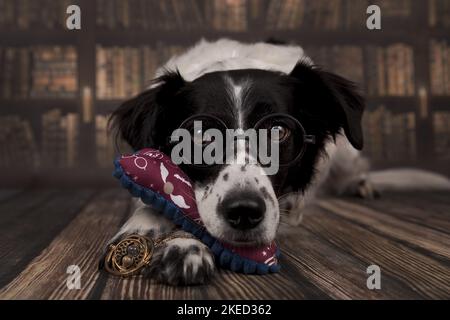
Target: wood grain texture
[
  {"x": 401, "y": 230},
  {"x": 326, "y": 257},
  {"x": 417, "y": 271},
  {"x": 7, "y": 194},
  {"x": 427, "y": 210},
  {"x": 226, "y": 285},
  {"x": 338, "y": 273},
  {"x": 30, "y": 224},
  {"x": 80, "y": 243}
]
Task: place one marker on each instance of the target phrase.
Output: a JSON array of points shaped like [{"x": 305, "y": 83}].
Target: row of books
[
  {"x": 59, "y": 141},
  {"x": 235, "y": 15},
  {"x": 440, "y": 67},
  {"x": 389, "y": 136},
  {"x": 60, "y": 133},
  {"x": 441, "y": 127},
  {"x": 32, "y": 14},
  {"x": 230, "y": 15},
  {"x": 38, "y": 72},
  {"x": 105, "y": 146},
  {"x": 51, "y": 71},
  {"x": 124, "y": 71},
  {"x": 321, "y": 14},
  {"x": 346, "y": 60},
  {"x": 439, "y": 13},
  {"x": 18, "y": 147},
  {"x": 390, "y": 70},
  {"x": 150, "y": 14}
]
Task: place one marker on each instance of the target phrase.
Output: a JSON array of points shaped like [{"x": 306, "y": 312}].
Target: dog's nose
[{"x": 243, "y": 210}]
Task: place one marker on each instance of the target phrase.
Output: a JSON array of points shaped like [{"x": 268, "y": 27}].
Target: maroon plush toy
[{"x": 152, "y": 176}]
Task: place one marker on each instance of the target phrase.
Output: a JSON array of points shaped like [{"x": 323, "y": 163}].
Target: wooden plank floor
[{"x": 407, "y": 235}]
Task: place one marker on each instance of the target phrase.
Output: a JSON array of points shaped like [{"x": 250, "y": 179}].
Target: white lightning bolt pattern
[
  {"x": 164, "y": 172},
  {"x": 182, "y": 179},
  {"x": 179, "y": 201}
]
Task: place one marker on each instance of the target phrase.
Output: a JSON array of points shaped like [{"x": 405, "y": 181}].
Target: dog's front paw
[
  {"x": 181, "y": 262},
  {"x": 363, "y": 188}
]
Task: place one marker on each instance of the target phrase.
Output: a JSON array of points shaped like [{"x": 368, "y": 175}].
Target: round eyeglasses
[{"x": 209, "y": 135}]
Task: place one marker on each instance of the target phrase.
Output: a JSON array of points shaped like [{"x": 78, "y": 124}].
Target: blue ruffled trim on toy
[{"x": 225, "y": 257}]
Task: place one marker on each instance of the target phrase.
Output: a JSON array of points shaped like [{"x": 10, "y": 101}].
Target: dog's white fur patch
[
  {"x": 225, "y": 54},
  {"x": 236, "y": 92},
  {"x": 237, "y": 180}
]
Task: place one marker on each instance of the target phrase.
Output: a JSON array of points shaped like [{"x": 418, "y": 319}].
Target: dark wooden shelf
[
  {"x": 301, "y": 36},
  {"x": 106, "y": 106},
  {"x": 180, "y": 37},
  {"x": 440, "y": 103},
  {"x": 35, "y": 106},
  {"x": 38, "y": 37},
  {"x": 398, "y": 104},
  {"x": 441, "y": 34},
  {"x": 56, "y": 177},
  {"x": 395, "y": 104}
]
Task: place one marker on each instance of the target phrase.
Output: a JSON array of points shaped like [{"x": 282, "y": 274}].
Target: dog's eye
[
  {"x": 200, "y": 138},
  {"x": 283, "y": 133}
]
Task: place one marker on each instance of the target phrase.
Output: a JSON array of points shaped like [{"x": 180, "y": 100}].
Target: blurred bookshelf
[{"x": 57, "y": 87}]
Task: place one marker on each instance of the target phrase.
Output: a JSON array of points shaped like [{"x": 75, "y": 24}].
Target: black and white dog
[{"x": 240, "y": 84}]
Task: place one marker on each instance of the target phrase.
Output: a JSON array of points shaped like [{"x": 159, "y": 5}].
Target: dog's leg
[
  {"x": 348, "y": 172},
  {"x": 178, "y": 261}
]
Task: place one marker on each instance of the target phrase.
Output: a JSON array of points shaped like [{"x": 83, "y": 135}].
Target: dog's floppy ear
[
  {"x": 137, "y": 120},
  {"x": 338, "y": 95}
]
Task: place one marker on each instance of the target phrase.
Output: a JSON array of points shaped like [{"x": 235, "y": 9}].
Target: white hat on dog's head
[{"x": 225, "y": 54}]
